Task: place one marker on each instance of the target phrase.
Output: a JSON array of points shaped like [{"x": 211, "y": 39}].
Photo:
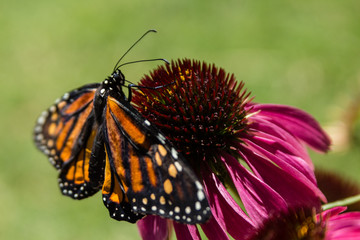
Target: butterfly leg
[{"x": 144, "y": 87}]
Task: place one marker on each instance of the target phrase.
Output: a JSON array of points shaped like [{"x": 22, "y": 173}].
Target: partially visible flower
[
  {"x": 242, "y": 151},
  {"x": 337, "y": 187},
  {"x": 305, "y": 224},
  {"x": 344, "y": 226}
]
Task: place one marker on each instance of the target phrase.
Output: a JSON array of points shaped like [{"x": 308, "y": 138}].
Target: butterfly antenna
[
  {"x": 146, "y": 33},
  {"x": 144, "y": 60}
]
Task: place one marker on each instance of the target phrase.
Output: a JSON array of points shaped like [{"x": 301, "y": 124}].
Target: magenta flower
[
  {"x": 344, "y": 226},
  {"x": 304, "y": 223},
  {"x": 246, "y": 154}
]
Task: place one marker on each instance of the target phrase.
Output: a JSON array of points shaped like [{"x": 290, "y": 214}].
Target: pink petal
[
  {"x": 279, "y": 173},
  {"x": 186, "y": 232},
  {"x": 344, "y": 226},
  {"x": 224, "y": 209},
  {"x": 297, "y": 122},
  {"x": 213, "y": 230},
  {"x": 153, "y": 228},
  {"x": 331, "y": 212},
  {"x": 280, "y": 148},
  {"x": 346, "y": 234},
  {"x": 258, "y": 198},
  {"x": 283, "y": 140}
]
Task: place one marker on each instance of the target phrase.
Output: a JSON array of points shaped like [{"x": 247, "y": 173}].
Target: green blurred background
[{"x": 300, "y": 53}]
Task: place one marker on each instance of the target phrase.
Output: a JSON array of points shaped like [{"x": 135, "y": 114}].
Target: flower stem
[{"x": 343, "y": 202}]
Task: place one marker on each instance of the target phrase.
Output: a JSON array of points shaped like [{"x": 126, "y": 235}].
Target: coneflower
[
  {"x": 305, "y": 224},
  {"x": 246, "y": 154}
]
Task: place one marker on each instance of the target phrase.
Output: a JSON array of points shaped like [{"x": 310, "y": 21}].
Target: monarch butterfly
[{"x": 98, "y": 140}]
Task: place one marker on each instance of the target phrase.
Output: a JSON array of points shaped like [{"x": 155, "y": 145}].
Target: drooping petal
[
  {"x": 331, "y": 212},
  {"x": 213, "y": 230},
  {"x": 296, "y": 168},
  {"x": 287, "y": 181},
  {"x": 186, "y": 232},
  {"x": 282, "y": 139},
  {"x": 344, "y": 226},
  {"x": 153, "y": 228},
  {"x": 224, "y": 209},
  {"x": 277, "y": 151},
  {"x": 297, "y": 122},
  {"x": 259, "y": 199}
]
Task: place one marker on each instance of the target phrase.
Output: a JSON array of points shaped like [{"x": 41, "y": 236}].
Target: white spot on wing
[
  {"x": 178, "y": 166},
  {"x": 174, "y": 153},
  {"x": 198, "y": 185},
  {"x": 52, "y": 108},
  {"x": 38, "y": 129},
  {"x": 197, "y": 205},
  {"x": 177, "y": 209},
  {"x": 39, "y": 137},
  {"x": 161, "y": 138},
  {"x": 200, "y": 195},
  {"x": 147, "y": 122},
  {"x": 41, "y": 120},
  {"x": 66, "y": 96}
]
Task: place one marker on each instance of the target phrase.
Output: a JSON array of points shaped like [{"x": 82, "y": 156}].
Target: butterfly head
[
  {"x": 112, "y": 85},
  {"x": 118, "y": 77}
]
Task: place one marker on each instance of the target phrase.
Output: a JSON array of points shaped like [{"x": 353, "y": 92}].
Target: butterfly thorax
[{"x": 112, "y": 86}]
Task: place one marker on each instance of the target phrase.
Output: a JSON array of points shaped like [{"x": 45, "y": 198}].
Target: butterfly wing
[
  {"x": 153, "y": 177},
  {"x": 66, "y": 133},
  {"x": 115, "y": 198}
]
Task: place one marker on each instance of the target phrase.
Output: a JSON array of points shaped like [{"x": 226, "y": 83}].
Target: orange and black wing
[
  {"x": 149, "y": 176},
  {"x": 66, "y": 133},
  {"x": 115, "y": 199}
]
